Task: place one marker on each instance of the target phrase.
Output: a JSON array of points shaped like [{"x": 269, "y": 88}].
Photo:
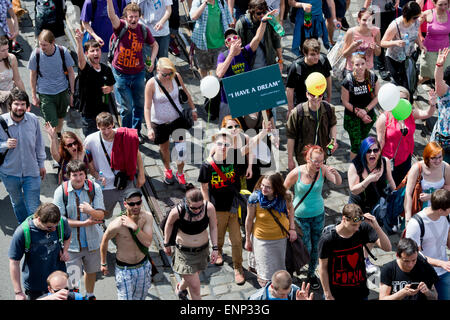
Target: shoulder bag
[
  {"x": 5, "y": 127},
  {"x": 186, "y": 115},
  {"x": 121, "y": 178}
]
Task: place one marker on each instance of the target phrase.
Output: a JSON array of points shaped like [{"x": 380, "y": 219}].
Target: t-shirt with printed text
[{"x": 128, "y": 58}]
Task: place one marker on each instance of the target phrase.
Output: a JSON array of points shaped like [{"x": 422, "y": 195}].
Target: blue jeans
[
  {"x": 312, "y": 230},
  {"x": 129, "y": 92},
  {"x": 443, "y": 286},
  {"x": 24, "y": 193}
]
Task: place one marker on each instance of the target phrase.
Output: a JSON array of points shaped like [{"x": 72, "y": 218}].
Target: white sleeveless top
[
  {"x": 6, "y": 78},
  {"x": 162, "y": 110}
]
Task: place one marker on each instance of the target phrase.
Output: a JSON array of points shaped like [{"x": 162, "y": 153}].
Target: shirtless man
[{"x": 133, "y": 269}]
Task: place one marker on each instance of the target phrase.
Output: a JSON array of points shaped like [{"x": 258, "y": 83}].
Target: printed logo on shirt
[
  {"x": 216, "y": 180},
  {"x": 128, "y": 56},
  {"x": 347, "y": 267},
  {"x": 238, "y": 68},
  {"x": 358, "y": 90}
]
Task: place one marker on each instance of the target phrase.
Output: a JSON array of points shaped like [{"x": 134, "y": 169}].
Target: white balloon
[
  {"x": 388, "y": 96},
  {"x": 209, "y": 86}
]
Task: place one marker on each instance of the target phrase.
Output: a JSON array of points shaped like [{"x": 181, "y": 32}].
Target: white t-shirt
[
  {"x": 152, "y": 12},
  {"x": 434, "y": 243},
  {"x": 92, "y": 144}
]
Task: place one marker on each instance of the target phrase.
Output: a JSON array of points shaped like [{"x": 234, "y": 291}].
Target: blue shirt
[
  {"x": 90, "y": 236},
  {"x": 53, "y": 80},
  {"x": 43, "y": 257},
  {"x": 29, "y": 154}
]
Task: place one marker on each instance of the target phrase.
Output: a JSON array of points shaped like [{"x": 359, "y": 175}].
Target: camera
[
  {"x": 75, "y": 296},
  {"x": 389, "y": 6}
]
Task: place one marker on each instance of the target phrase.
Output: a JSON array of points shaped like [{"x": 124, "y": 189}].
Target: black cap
[
  {"x": 230, "y": 31},
  {"x": 132, "y": 192}
]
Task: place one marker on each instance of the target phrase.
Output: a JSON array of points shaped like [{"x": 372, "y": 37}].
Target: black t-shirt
[
  {"x": 394, "y": 277},
  {"x": 299, "y": 71},
  {"x": 360, "y": 93},
  {"x": 220, "y": 192},
  {"x": 346, "y": 265},
  {"x": 91, "y": 83}
]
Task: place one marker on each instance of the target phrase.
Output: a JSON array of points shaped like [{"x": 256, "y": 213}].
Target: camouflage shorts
[{"x": 357, "y": 130}]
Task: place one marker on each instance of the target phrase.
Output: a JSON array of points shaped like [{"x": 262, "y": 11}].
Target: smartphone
[{"x": 414, "y": 285}]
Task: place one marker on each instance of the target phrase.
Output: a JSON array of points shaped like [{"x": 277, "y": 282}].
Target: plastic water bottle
[
  {"x": 338, "y": 35},
  {"x": 406, "y": 39},
  {"x": 276, "y": 26},
  {"x": 100, "y": 174}
]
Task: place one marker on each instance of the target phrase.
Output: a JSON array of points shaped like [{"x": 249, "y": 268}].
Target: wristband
[
  {"x": 215, "y": 248},
  {"x": 166, "y": 245},
  {"x": 439, "y": 65},
  {"x": 292, "y": 229},
  {"x": 104, "y": 264},
  {"x": 280, "y": 61},
  {"x": 137, "y": 231},
  {"x": 19, "y": 292}
]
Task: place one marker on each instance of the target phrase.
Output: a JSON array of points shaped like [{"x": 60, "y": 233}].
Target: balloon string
[{"x": 207, "y": 125}]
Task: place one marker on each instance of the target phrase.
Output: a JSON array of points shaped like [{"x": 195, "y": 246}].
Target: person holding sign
[
  {"x": 237, "y": 59},
  {"x": 312, "y": 122}
]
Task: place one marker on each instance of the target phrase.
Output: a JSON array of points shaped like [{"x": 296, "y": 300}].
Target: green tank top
[{"x": 313, "y": 204}]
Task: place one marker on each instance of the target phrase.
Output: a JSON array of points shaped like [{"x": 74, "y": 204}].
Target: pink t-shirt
[
  {"x": 392, "y": 139},
  {"x": 128, "y": 58},
  {"x": 437, "y": 34}
]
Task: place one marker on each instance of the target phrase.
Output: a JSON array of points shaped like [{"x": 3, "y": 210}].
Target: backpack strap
[
  {"x": 421, "y": 225},
  {"x": 63, "y": 59},
  {"x": 61, "y": 232},
  {"x": 91, "y": 192},
  {"x": 38, "y": 58}
]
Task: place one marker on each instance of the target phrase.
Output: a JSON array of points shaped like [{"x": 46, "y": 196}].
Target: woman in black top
[
  {"x": 369, "y": 175},
  {"x": 193, "y": 216}
]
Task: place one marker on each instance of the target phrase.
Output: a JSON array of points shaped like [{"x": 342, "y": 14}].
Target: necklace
[{"x": 308, "y": 170}]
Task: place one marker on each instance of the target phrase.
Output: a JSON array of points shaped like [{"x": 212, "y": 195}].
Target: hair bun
[{"x": 189, "y": 186}]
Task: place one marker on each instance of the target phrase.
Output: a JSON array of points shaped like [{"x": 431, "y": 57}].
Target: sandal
[{"x": 182, "y": 294}]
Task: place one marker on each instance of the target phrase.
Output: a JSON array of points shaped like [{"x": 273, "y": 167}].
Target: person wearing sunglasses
[
  {"x": 369, "y": 179},
  {"x": 220, "y": 184},
  {"x": 85, "y": 210},
  {"x": 312, "y": 122},
  {"x": 68, "y": 147},
  {"x": 399, "y": 40},
  {"x": 161, "y": 117},
  {"x": 48, "y": 252},
  {"x": 191, "y": 254},
  {"x": 396, "y": 137},
  {"x": 238, "y": 58},
  {"x": 309, "y": 214},
  {"x": 341, "y": 254},
  {"x": 132, "y": 228},
  {"x": 359, "y": 92}
]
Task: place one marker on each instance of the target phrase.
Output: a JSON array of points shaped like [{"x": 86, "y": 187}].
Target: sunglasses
[
  {"x": 374, "y": 151},
  {"x": 132, "y": 204},
  {"x": 313, "y": 95},
  {"x": 73, "y": 144},
  {"x": 229, "y": 39},
  {"x": 260, "y": 13},
  {"x": 196, "y": 208},
  {"x": 167, "y": 74},
  {"x": 356, "y": 219},
  {"x": 61, "y": 289},
  {"x": 236, "y": 126},
  {"x": 223, "y": 144}
]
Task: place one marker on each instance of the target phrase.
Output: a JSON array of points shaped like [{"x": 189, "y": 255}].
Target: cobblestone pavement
[{"x": 216, "y": 282}]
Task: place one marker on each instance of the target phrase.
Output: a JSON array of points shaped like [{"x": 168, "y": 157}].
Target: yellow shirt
[{"x": 265, "y": 227}]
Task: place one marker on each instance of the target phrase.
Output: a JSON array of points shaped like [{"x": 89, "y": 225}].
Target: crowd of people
[{"x": 124, "y": 76}]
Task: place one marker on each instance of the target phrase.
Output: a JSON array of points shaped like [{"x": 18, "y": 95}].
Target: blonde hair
[{"x": 165, "y": 63}]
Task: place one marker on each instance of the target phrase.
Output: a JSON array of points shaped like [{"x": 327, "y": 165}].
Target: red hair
[
  {"x": 307, "y": 150},
  {"x": 431, "y": 150}
]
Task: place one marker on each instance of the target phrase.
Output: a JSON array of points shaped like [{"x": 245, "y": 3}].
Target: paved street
[{"x": 217, "y": 282}]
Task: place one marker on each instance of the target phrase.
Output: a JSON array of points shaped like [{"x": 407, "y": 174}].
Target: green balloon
[{"x": 402, "y": 110}]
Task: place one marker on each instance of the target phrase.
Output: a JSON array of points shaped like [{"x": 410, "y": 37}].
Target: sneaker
[
  {"x": 168, "y": 177},
  {"x": 344, "y": 24},
  {"x": 385, "y": 75},
  {"x": 239, "y": 276},
  {"x": 314, "y": 282},
  {"x": 370, "y": 268},
  {"x": 173, "y": 48},
  {"x": 180, "y": 178},
  {"x": 16, "y": 48},
  {"x": 92, "y": 297}
]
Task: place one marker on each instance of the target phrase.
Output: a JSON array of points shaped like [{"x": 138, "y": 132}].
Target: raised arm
[
  {"x": 115, "y": 21},
  {"x": 441, "y": 86}
]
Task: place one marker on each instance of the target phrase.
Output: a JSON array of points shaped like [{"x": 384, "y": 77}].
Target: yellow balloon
[{"x": 316, "y": 83}]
